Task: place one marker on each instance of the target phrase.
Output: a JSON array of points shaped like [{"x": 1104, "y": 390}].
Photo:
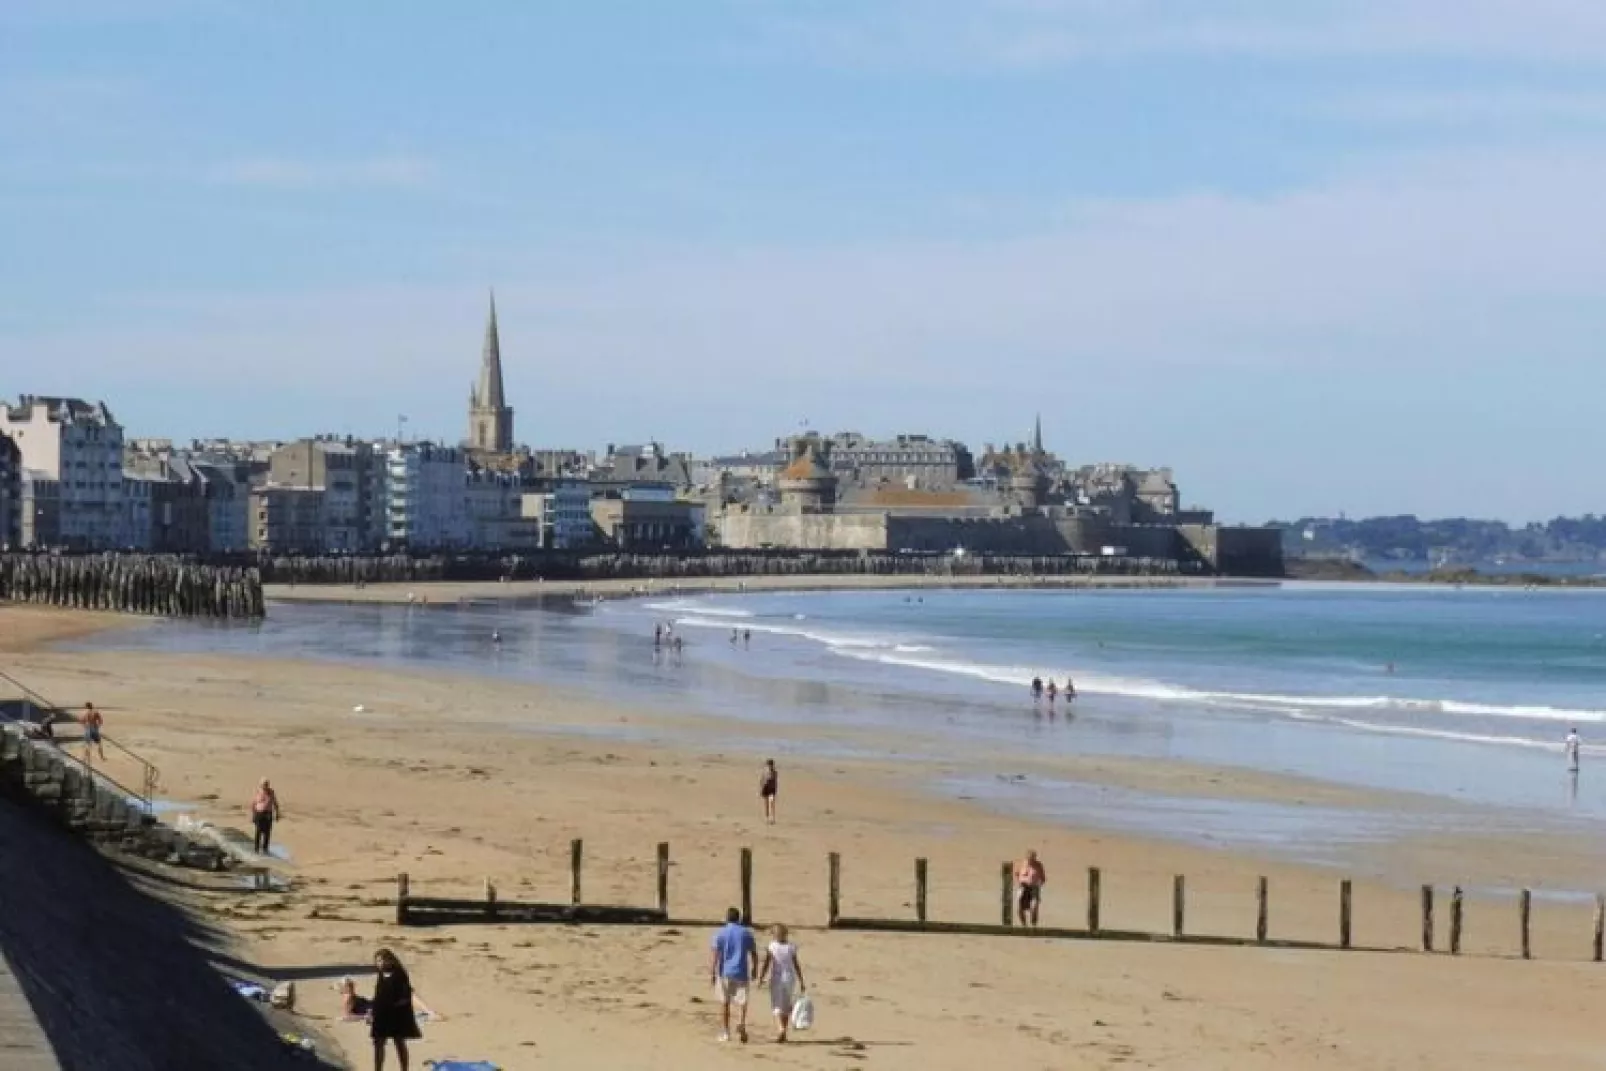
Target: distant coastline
[{"x": 1345, "y": 569}]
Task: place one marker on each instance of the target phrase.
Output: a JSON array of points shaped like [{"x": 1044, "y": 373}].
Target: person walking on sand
[
  {"x": 731, "y": 964},
  {"x": 784, "y": 971},
  {"x": 1573, "y": 746},
  {"x": 264, "y": 812},
  {"x": 769, "y": 786},
  {"x": 1030, "y": 877},
  {"x": 92, "y": 726},
  {"x": 390, "y": 1015}
]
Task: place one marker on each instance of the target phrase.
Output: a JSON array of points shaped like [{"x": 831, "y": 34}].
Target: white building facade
[
  {"x": 563, "y": 509},
  {"x": 78, "y": 446},
  {"x": 426, "y": 497}
]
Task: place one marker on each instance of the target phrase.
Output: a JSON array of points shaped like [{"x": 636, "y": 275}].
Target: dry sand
[
  {"x": 470, "y": 591},
  {"x": 428, "y": 781}
]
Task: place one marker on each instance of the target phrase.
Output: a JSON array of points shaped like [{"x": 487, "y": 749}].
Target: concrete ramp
[{"x": 117, "y": 979}]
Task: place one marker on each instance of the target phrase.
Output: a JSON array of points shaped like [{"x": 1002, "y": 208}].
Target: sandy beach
[
  {"x": 427, "y": 779},
  {"x": 464, "y": 591}
]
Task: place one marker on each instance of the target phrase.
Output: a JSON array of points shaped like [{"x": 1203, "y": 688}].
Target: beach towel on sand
[{"x": 460, "y": 1065}]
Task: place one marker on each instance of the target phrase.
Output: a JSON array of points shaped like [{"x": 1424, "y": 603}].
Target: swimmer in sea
[
  {"x": 1070, "y": 690},
  {"x": 1053, "y": 690},
  {"x": 1037, "y": 688},
  {"x": 496, "y": 637}
]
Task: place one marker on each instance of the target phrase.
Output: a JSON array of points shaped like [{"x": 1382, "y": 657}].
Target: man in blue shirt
[{"x": 731, "y": 964}]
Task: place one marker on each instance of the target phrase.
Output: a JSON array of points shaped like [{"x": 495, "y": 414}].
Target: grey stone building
[
  {"x": 78, "y": 446},
  {"x": 490, "y": 418},
  {"x": 915, "y": 462},
  {"x": 10, "y": 493},
  {"x": 351, "y": 475}
]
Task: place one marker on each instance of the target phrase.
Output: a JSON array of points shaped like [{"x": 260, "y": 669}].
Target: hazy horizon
[{"x": 1329, "y": 258}]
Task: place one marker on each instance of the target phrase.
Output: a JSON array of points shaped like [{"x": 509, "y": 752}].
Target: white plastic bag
[{"x": 803, "y": 1013}]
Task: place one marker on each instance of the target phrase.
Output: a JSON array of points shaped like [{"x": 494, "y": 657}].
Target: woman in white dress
[{"x": 784, "y": 971}]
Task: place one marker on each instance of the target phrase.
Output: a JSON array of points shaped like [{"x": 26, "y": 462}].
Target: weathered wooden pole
[
  {"x": 747, "y": 886},
  {"x": 490, "y": 900},
  {"x": 401, "y": 899},
  {"x": 833, "y": 902},
  {"x": 920, "y": 890},
  {"x": 1455, "y": 921},
  {"x": 1427, "y": 918},
  {"x": 1600, "y": 927},
  {"x": 1345, "y": 898},
  {"x": 1092, "y": 899},
  {"x": 576, "y": 855},
  {"x": 1261, "y": 907},
  {"x": 1525, "y": 908},
  {"x": 1007, "y": 879},
  {"x": 663, "y": 877}
]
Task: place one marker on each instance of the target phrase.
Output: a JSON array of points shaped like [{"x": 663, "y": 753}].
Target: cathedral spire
[
  {"x": 490, "y": 419},
  {"x": 489, "y": 393},
  {"x": 1037, "y": 434}
]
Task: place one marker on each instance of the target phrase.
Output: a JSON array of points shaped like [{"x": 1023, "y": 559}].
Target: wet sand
[{"x": 429, "y": 780}]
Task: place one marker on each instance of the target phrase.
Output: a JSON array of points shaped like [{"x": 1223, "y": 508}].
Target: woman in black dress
[{"x": 391, "y": 1016}]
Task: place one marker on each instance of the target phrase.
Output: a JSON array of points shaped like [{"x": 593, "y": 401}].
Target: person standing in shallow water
[
  {"x": 1573, "y": 746},
  {"x": 769, "y": 786},
  {"x": 390, "y": 1016},
  {"x": 264, "y": 812}
]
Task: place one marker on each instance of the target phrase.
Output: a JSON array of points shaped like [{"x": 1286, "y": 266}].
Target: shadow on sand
[{"x": 121, "y": 980}]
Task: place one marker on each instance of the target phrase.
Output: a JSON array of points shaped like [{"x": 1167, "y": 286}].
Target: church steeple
[
  {"x": 1037, "y": 435},
  {"x": 490, "y": 419}
]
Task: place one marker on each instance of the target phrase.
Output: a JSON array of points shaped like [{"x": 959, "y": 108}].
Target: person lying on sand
[{"x": 355, "y": 1008}]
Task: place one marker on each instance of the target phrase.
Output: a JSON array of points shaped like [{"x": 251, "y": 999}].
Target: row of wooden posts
[{"x": 413, "y": 910}]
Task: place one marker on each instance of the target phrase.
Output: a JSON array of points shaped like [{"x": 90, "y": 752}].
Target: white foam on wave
[
  {"x": 1160, "y": 691},
  {"x": 833, "y": 640},
  {"x": 689, "y": 606}
]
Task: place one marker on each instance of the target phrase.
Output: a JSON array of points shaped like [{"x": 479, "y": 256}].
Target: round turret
[{"x": 807, "y": 484}]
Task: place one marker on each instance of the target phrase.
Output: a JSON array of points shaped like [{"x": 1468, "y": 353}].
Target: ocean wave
[
  {"x": 1393, "y": 729},
  {"x": 1161, "y": 691},
  {"x": 833, "y": 640},
  {"x": 685, "y": 606}
]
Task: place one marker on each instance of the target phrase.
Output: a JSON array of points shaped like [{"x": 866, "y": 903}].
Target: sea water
[{"x": 1461, "y": 695}]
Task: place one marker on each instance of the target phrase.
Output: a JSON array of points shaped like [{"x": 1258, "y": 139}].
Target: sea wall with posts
[
  {"x": 166, "y": 585},
  {"x": 694, "y": 564}
]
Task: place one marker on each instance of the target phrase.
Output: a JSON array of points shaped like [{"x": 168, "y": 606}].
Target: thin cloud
[
  {"x": 292, "y": 173},
  {"x": 1038, "y": 34}
]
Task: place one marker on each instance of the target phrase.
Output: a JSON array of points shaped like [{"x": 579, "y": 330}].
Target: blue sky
[{"x": 1318, "y": 256}]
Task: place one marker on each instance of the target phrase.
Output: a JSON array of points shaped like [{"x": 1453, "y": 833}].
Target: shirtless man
[
  {"x": 92, "y": 726},
  {"x": 1030, "y": 877},
  {"x": 769, "y": 785}
]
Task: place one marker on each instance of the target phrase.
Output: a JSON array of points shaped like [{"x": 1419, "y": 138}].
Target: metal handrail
[{"x": 150, "y": 776}]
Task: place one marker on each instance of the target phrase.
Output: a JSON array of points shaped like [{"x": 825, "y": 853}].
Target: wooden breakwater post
[
  {"x": 577, "y": 849},
  {"x": 1261, "y": 909},
  {"x": 1345, "y": 904},
  {"x": 1007, "y": 880},
  {"x": 1599, "y": 947},
  {"x": 1093, "y": 882},
  {"x": 663, "y": 877},
  {"x": 1525, "y": 911},
  {"x": 401, "y": 899},
  {"x": 1179, "y": 894},
  {"x": 833, "y": 896},
  {"x": 920, "y": 890},
  {"x": 1427, "y": 918},
  {"x": 490, "y": 901},
  {"x": 1455, "y": 921},
  {"x": 747, "y": 886}
]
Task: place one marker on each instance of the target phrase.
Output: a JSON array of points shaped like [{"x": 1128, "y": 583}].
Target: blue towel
[{"x": 460, "y": 1065}]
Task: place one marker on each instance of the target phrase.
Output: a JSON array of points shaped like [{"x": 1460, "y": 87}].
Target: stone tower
[
  {"x": 808, "y": 485},
  {"x": 490, "y": 419}
]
